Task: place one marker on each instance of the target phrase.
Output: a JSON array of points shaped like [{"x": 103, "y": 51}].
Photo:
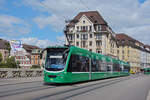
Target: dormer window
[{"x": 83, "y": 21}]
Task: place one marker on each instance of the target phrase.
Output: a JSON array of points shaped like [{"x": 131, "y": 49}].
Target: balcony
[
  {"x": 98, "y": 47},
  {"x": 98, "y": 39},
  {"x": 84, "y": 39},
  {"x": 84, "y": 46}
]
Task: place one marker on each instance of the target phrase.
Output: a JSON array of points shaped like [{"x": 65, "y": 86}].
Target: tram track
[
  {"x": 56, "y": 91},
  {"x": 74, "y": 91},
  {"x": 23, "y": 90},
  {"x": 6, "y": 84}
]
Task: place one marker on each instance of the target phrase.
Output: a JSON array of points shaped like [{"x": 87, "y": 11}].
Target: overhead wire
[{"x": 81, "y": 1}]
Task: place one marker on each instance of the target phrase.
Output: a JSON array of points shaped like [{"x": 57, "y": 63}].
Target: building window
[
  {"x": 98, "y": 43},
  {"x": 77, "y": 28},
  {"x": 77, "y": 43},
  {"x": 83, "y": 44},
  {"x": 84, "y": 36},
  {"x": 84, "y": 28},
  {"x": 123, "y": 51},
  {"x": 118, "y": 51},
  {"x": 83, "y": 21},
  {"x": 77, "y": 35},
  {"x": 90, "y": 43},
  {"x": 99, "y": 27},
  {"x": 98, "y": 36},
  {"x": 90, "y": 35},
  {"x": 90, "y": 28}
]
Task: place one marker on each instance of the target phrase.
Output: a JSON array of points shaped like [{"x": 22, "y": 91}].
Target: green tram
[
  {"x": 146, "y": 71},
  {"x": 73, "y": 64}
]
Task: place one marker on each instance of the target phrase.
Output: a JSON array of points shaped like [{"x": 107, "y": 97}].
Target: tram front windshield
[{"x": 56, "y": 59}]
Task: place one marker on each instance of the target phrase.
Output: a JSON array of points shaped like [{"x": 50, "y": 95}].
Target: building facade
[
  {"x": 147, "y": 47},
  {"x": 23, "y": 58},
  {"x": 129, "y": 50},
  {"x": 133, "y": 51},
  {"x": 90, "y": 31},
  {"x": 35, "y": 57}
]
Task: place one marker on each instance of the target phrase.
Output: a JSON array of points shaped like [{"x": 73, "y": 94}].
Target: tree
[
  {"x": 1, "y": 57},
  {"x": 10, "y": 62},
  {"x": 7, "y": 44}
]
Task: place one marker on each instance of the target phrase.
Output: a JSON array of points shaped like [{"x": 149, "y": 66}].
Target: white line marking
[{"x": 148, "y": 96}]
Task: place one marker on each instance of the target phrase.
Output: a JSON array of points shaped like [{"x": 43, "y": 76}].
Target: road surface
[{"x": 135, "y": 87}]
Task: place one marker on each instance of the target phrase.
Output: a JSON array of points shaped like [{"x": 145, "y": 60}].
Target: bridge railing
[{"x": 14, "y": 72}]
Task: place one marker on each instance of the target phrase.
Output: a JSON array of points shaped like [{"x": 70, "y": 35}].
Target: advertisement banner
[{"x": 16, "y": 45}]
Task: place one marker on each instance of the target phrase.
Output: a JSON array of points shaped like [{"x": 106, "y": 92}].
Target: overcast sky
[{"x": 41, "y": 22}]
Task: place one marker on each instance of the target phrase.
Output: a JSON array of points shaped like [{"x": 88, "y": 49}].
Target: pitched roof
[
  {"x": 29, "y": 47},
  {"x": 3, "y": 44},
  {"x": 123, "y": 36},
  {"x": 128, "y": 41},
  {"x": 93, "y": 16},
  {"x": 147, "y": 46}
]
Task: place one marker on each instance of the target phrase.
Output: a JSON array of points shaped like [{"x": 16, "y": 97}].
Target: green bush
[
  {"x": 36, "y": 67},
  {"x": 10, "y": 63},
  {"x": 1, "y": 58},
  {"x": 3, "y": 65}
]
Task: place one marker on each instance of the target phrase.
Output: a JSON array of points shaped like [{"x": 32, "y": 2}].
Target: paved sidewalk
[{"x": 12, "y": 81}]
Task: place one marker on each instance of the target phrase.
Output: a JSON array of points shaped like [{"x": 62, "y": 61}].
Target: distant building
[
  {"x": 90, "y": 31},
  {"x": 35, "y": 57},
  {"x": 147, "y": 47},
  {"x": 132, "y": 51},
  {"x": 24, "y": 56}
]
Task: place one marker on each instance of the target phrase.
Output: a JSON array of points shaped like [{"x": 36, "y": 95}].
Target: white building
[
  {"x": 90, "y": 31},
  {"x": 23, "y": 58}
]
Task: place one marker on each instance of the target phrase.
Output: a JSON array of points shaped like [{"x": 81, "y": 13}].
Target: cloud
[
  {"x": 122, "y": 16},
  {"x": 37, "y": 42},
  {"x": 60, "y": 40},
  {"x": 13, "y": 26},
  {"x": 43, "y": 21},
  {"x": 137, "y": 33},
  {"x": 43, "y": 43}
]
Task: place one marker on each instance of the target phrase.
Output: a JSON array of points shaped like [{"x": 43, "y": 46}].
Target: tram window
[
  {"x": 96, "y": 65},
  {"x": 126, "y": 68},
  {"x": 78, "y": 64},
  {"x": 103, "y": 67},
  {"x": 108, "y": 67},
  {"x": 116, "y": 67}
]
